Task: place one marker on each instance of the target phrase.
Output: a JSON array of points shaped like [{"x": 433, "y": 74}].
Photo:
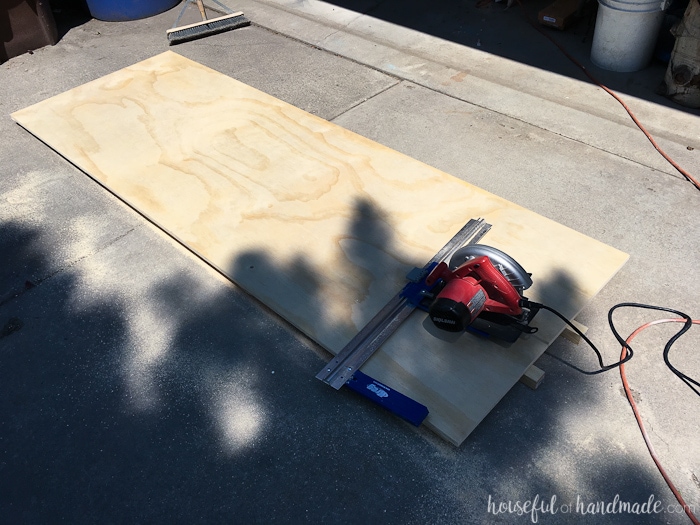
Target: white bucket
[
  {"x": 625, "y": 34},
  {"x": 637, "y": 5}
]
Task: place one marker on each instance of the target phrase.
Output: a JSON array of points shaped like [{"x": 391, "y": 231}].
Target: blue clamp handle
[{"x": 394, "y": 401}]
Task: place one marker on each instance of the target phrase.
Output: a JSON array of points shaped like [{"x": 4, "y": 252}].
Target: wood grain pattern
[{"x": 317, "y": 222}]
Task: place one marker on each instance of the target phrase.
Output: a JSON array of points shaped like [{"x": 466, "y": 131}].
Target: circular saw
[{"x": 481, "y": 290}]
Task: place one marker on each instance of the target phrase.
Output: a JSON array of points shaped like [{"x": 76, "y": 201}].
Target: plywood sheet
[{"x": 315, "y": 221}]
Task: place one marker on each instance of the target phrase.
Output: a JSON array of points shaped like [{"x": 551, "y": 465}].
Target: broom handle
[
  {"x": 201, "y": 9},
  {"x": 226, "y": 9}
]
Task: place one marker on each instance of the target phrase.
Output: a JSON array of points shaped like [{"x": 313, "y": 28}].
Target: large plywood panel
[{"x": 317, "y": 222}]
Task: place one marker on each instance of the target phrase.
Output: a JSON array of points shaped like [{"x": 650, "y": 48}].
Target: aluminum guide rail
[{"x": 361, "y": 347}]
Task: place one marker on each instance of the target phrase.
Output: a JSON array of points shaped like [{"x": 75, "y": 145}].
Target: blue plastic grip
[{"x": 394, "y": 401}]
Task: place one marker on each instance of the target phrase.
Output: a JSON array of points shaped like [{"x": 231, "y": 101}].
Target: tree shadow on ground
[
  {"x": 226, "y": 423},
  {"x": 528, "y": 446},
  {"x": 209, "y": 411}
]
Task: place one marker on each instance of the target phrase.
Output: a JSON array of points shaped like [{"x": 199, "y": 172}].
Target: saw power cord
[
  {"x": 593, "y": 79},
  {"x": 692, "y": 383},
  {"x": 625, "y": 356}
]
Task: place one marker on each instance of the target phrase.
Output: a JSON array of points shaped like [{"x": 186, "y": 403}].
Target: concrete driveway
[{"x": 137, "y": 385}]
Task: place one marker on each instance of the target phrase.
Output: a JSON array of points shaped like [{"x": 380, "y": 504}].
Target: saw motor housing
[{"x": 481, "y": 291}]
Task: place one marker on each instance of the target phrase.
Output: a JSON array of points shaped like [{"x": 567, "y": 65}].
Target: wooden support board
[
  {"x": 532, "y": 377},
  {"x": 318, "y": 223}
]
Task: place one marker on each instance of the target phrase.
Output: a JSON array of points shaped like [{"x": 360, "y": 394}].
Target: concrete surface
[{"x": 139, "y": 386}]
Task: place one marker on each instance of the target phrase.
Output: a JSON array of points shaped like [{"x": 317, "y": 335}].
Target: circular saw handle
[{"x": 502, "y": 297}]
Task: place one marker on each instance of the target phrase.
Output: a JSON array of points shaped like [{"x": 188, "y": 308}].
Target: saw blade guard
[{"x": 509, "y": 267}]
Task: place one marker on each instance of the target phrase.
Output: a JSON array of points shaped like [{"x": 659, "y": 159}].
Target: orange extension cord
[
  {"x": 673, "y": 163},
  {"x": 623, "y": 355},
  {"x": 670, "y": 484}
]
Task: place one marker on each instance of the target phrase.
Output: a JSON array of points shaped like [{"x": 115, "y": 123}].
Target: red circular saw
[{"x": 481, "y": 290}]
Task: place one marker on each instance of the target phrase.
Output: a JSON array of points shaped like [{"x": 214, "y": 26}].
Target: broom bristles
[{"x": 206, "y": 28}]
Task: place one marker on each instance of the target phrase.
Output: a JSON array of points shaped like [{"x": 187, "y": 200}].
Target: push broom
[{"x": 208, "y": 26}]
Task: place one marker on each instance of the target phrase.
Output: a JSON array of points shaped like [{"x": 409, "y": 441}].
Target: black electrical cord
[
  {"x": 626, "y": 355},
  {"x": 689, "y": 381},
  {"x": 686, "y": 326}
]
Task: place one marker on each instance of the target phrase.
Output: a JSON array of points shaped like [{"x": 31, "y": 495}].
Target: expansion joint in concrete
[{"x": 365, "y": 100}]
